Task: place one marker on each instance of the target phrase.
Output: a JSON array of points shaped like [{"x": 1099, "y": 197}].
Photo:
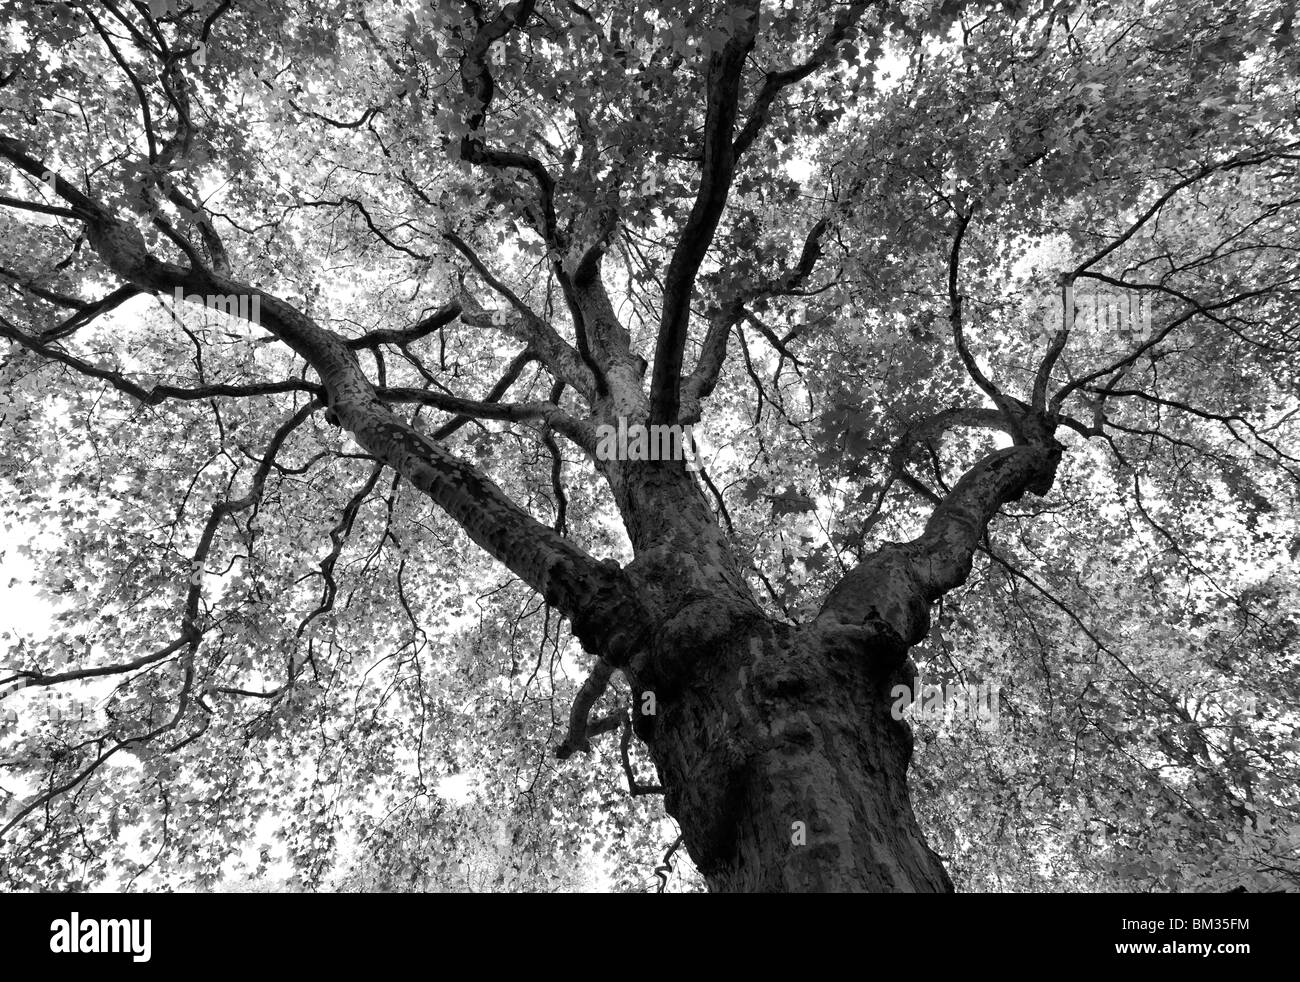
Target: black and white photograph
[{"x": 460, "y": 447}]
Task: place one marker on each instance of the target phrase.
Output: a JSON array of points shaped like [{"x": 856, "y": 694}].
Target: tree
[{"x": 273, "y": 278}]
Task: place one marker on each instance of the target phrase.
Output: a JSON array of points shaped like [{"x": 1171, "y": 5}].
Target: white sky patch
[
  {"x": 458, "y": 788},
  {"x": 22, "y": 610},
  {"x": 799, "y": 168},
  {"x": 891, "y": 68}
]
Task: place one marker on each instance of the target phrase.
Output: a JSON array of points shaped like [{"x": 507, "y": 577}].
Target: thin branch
[
  {"x": 408, "y": 335},
  {"x": 624, "y": 748}
]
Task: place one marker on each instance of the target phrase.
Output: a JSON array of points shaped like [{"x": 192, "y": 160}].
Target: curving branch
[
  {"x": 435, "y": 321},
  {"x": 30, "y": 677},
  {"x": 494, "y": 395},
  {"x": 580, "y": 728},
  {"x": 1194, "y": 309},
  {"x": 192, "y": 631},
  {"x": 477, "y": 82},
  {"x": 624, "y": 748},
  {"x": 606, "y": 613},
  {"x": 774, "y": 83},
  {"x": 957, "y": 320},
  {"x": 704, "y": 378},
  {"x": 154, "y": 394},
  {"x": 561, "y": 358},
  {"x": 580, "y": 432},
  {"x": 717, "y": 171},
  {"x": 883, "y": 603},
  {"x": 1042, "y": 376}
]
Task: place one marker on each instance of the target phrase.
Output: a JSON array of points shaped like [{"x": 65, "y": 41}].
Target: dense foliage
[{"x": 375, "y": 702}]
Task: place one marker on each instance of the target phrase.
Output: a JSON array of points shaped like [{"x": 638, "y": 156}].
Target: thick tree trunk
[
  {"x": 786, "y": 771},
  {"x": 775, "y": 745}
]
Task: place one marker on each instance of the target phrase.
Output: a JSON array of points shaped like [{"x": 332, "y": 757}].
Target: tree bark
[
  {"x": 786, "y": 771},
  {"x": 776, "y": 745}
]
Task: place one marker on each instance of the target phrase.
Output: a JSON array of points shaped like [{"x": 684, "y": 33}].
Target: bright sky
[{"x": 22, "y": 610}]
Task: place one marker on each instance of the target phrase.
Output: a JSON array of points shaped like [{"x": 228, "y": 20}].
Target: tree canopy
[{"x": 328, "y": 587}]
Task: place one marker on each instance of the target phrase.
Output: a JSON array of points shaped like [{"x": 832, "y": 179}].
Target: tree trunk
[{"x": 786, "y": 771}]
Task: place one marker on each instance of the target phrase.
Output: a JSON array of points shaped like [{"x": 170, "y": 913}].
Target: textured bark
[
  {"x": 776, "y": 746},
  {"x": 780, "y": 732}
]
